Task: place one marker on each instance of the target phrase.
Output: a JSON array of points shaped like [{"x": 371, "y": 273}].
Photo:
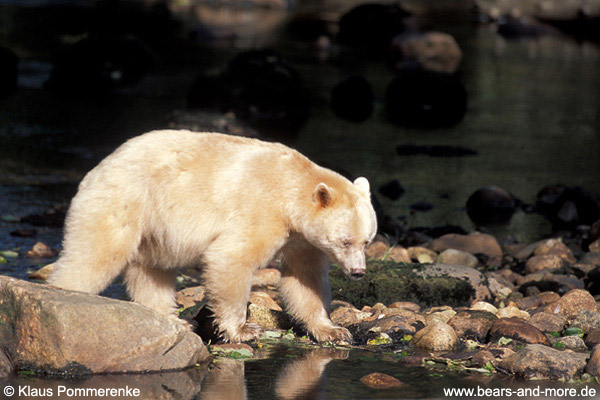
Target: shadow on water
[{"x": 287, "y": 373}]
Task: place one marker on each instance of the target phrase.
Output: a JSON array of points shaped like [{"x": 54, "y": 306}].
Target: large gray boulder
[{"x": 51, "y": 330}]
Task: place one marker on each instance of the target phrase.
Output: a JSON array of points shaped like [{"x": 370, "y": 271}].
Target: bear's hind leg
[
  {"x": 85, "y": 273},
  {"x": 154, "y": 288},
  {"x": 305, "y": 291}
]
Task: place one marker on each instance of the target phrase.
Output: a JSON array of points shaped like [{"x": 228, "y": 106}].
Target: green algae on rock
[{"x": 388, "y": 282}]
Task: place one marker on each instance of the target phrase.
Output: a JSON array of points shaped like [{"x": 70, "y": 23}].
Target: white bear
[{"x": 172, "y": 199}]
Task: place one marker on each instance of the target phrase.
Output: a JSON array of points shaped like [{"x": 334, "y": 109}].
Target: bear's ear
[
  {"x": 322, "y": 195},
  {"x": 362, "y": 184}
]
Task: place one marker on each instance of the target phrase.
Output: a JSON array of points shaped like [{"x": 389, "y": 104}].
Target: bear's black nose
[{"x": 357, "y": 273}]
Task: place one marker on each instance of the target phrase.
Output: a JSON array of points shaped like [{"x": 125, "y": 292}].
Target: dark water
[{"x": 533, "y": 117}]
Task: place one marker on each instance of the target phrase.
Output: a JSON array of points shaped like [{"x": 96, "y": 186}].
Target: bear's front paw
[
  {"x": 332, "y": 334},
  {"x": 246, "y": 333},
  {"x": 187, "y": 324}
]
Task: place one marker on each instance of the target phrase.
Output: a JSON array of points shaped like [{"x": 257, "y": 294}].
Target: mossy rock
[{"x": 388, "y": 282}]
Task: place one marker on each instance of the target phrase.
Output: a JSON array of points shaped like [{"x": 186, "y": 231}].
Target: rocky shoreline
[{"x": 459, "y": 301}]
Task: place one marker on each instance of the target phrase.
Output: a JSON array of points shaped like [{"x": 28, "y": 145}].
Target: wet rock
[
  {"x": 541, "y": 263},
  {"x": 572, "y": 303},
  {"x": 96, "y": 65},
  {"x": 353, "y": 99},
  {"x": 593, "y": 366},
  {"x": 388, "y": 281},
  {"x": 528, "y": 303},
  {"x": 555, "y": 247},
  {"x": 517, "y": 329},
  {"x": 491, "y": 205},
  {"x": 395, "y": 325},
  {"x": 536, "y": 361},
  {"x": 43, "y": 273},
  {"x": 547, "y": 297},
  {"x": 41, "y": 250},
  {"x": 8, "y": 71},
  {"x": 372, "y": 25},
  {"x": 102, "y": 335},
  {"x": 262, "y": 299},
  {"x": 441, "y": 315},
  {"x": 436, "y": 336},
  {"x": 474, "y": 277},
  {"x": 425, "y": 99},
  {"x": 473, "y": 324},
  {"x": 512, "y": 312},
  {"x": 268, "y": 319},
  {"x": 377, "y": 380},
  {"x": 261, "y": 89},
  {"x": 457, "y": 257},
  {"x": 422, "y": 255},
  {"x": 574, "y": 343},
  {"x": 406, "y": 305},
  {"x": 483, "y": 306},
  {"x": 474, "y": 243},
  {"x": 586, "y": 320},
  {"x": 393, "y": 190},
  {"x": 346, "y": 316},
  {"x": 432, "y": 51},
  {"x": 266, "y": 277},
  {"x": 420, "y": 206}
]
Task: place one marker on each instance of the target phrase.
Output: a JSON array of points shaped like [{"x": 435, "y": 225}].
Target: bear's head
[{"x": 343, "y": 224}]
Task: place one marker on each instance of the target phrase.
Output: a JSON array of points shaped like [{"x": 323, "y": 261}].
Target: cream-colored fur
[{"x": 171, "y": 199}]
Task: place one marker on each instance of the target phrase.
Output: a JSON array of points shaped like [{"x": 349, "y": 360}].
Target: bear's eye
[{"x": 346, "y": 243}]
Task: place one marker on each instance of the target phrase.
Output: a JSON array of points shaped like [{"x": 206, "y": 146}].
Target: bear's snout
[{"x": 357, "y": 273}]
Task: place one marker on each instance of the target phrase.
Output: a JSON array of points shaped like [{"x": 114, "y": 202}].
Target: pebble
[
  {"x": 188, "y": 297},
  {"x": 41, "y": 250},
  {"x": 264, "y": 300},
  {"x": 452, "y": 256},
  {"x": 484, "y": 306},
  {"x": 436, "y": 336},
  {"x": 474, "y": 243},
  {"x": 266, "y": 277},
  {"x": 549, "y": 262},
  {"x": 512, "y": 312},
  {"x": 546, "y": 322},
  {"x": 43, "y": 273}
]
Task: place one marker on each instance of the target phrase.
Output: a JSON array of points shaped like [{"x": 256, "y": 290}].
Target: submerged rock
[
  {"x": 432, "y": 51},
  {"x": 377, "y": 380},
  {"x": 372, "y": 25},
  {"x": 421, "y": 98},
  {"x": 57, "y": 331},
  {"x": 97, "y": 65},
  {"x": 536, "y": 361},
  {"x": 393, "y": 190},
  {"x": 491, "y": 205},
  {"x": 353, "y": 99}
]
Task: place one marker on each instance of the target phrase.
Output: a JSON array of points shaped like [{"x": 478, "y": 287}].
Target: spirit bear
[{"x": 171, "y": 199}]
